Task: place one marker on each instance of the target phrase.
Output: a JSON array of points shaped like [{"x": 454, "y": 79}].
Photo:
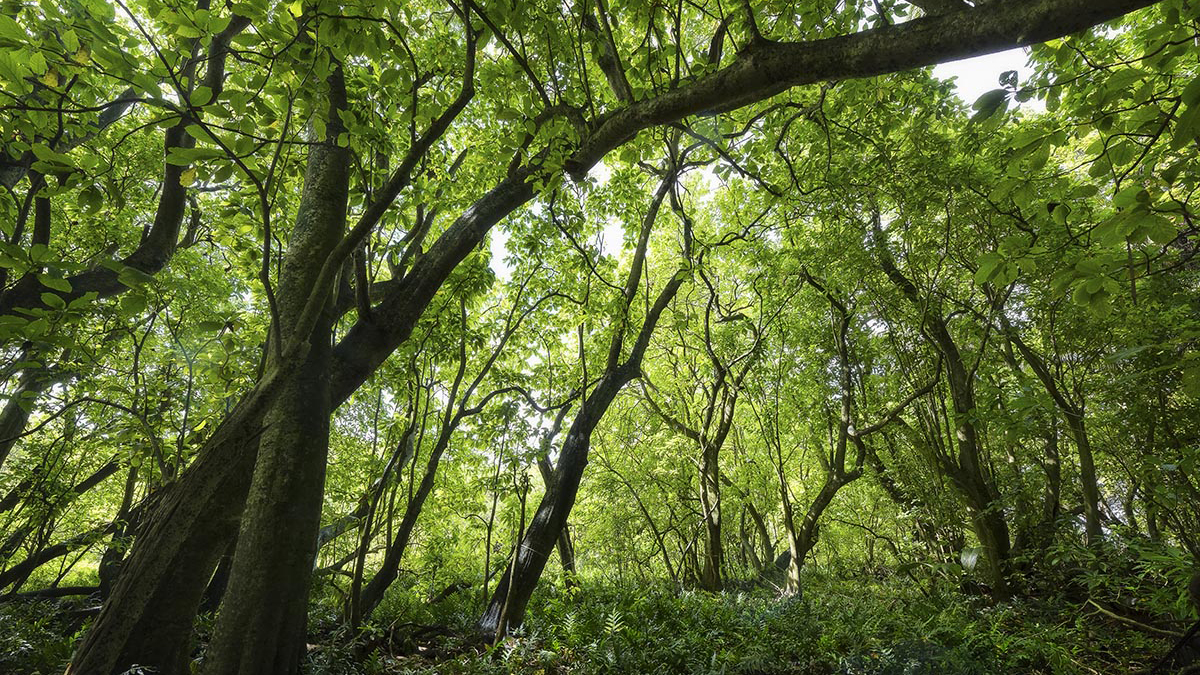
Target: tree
[
  {"x": 274, "y": 111},
  {"x": 703, "y": 408}
]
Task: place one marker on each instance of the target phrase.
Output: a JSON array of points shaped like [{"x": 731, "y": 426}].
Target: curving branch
[{"x": 761, "y": 71}]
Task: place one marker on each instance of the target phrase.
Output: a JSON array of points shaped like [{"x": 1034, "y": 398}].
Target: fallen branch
[{"x": 1133, "y": 622}]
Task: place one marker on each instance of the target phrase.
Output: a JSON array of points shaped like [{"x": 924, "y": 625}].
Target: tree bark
[
  {"x": 148, "y": 618},
  {"x": 262, "y": 624},
  {"x": 547, "y": 523},
  {"x": 15, "y": 416},
  {"x": 566, "y": 549},
  {"x": 710, "y": 502}
]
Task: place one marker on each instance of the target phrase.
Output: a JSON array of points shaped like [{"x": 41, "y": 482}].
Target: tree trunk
[
  {"x": 148, "y": 618},
  {"x": 15, "y": 416},
  {"x": 566, "y": 549},
  {"x": 372, "y": 594},
  {"x": 262, "y": 624},
  {"x": 806, "y": 536},
  {"x": 967, "y": 470},
  {"x": 1089, "y": 486},
  {"x": 547, "y": 523},
  {"x": 507, "y": 606},
  {"x": 710, "y": 502}
]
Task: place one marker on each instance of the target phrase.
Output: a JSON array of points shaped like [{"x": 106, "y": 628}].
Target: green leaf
[
  {"x": 134, "y": 278},
  {"x": 1187, "y": 127},
  {"x": 37, "y": 63},
  {"x": 70, "y": 40},
  {"x": 1100, "y": 304},
  {"x": 1159, "y": 229},
  {"x": 1131, "y": 196},
  {"x": 53, "y": 301},
  {"x": 132, "y": 304},
  {"x": 1191, "y": 93},
  {"x": 39, "y": 253},
  {"x": 185, "y": 156},
  {"x": 1080, "y": 295},
  {"x": 989, "y": 263},
  {"x": 1112, "y": 231},
  {"x": 84, "y": 300},
  {"x": 90, "y": 199},
  {"x": 10, "y": 30},
  {"x": 1123, "y": 78},
  {"x": 1027, "y": 137},
  {"x": 1191, "y": 379},
  {"x": 1084, "y": 191},
  {"x": 202, "y": 95},
  {"x": 989, "y": 104},
  {"x": 1060, "y": 213},
  {"x": 46, "y": 154},
  {"x": 55, "y": 283}
]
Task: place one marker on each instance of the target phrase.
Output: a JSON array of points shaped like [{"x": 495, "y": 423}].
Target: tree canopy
[{"x": 317, "y": 315}]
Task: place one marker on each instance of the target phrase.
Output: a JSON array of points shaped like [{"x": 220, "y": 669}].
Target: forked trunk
[{"x": 262, "y": 623}]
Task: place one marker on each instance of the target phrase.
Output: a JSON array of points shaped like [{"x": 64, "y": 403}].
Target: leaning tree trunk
[
  {"x": 566, "y": 548},
  {"x": 148, "y": 618},
  {"x": 547, "y": 523},
  {"x": 15, "y": 416},
  {"x": 511, "y": 596},
  {"x": 372, "y": 594}
]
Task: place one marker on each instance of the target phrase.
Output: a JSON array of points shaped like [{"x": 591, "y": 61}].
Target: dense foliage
[{"x": 606, "y": 336}]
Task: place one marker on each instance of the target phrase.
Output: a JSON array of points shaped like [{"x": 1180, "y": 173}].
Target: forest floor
[
  {"x": 850, "y": 623},
  {"x": 846, "y": 625}
]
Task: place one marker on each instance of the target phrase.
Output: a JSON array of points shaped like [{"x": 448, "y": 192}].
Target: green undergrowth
[
  {"x": 36, "y": 637},
  {"x": 844, "y": 624},
  {"x": 848, "y": 626}
]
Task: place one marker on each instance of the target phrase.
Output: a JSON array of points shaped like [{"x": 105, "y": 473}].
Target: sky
[
  {"x": 973, "y": 77},
  {"x": 982, "y": 73}
]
